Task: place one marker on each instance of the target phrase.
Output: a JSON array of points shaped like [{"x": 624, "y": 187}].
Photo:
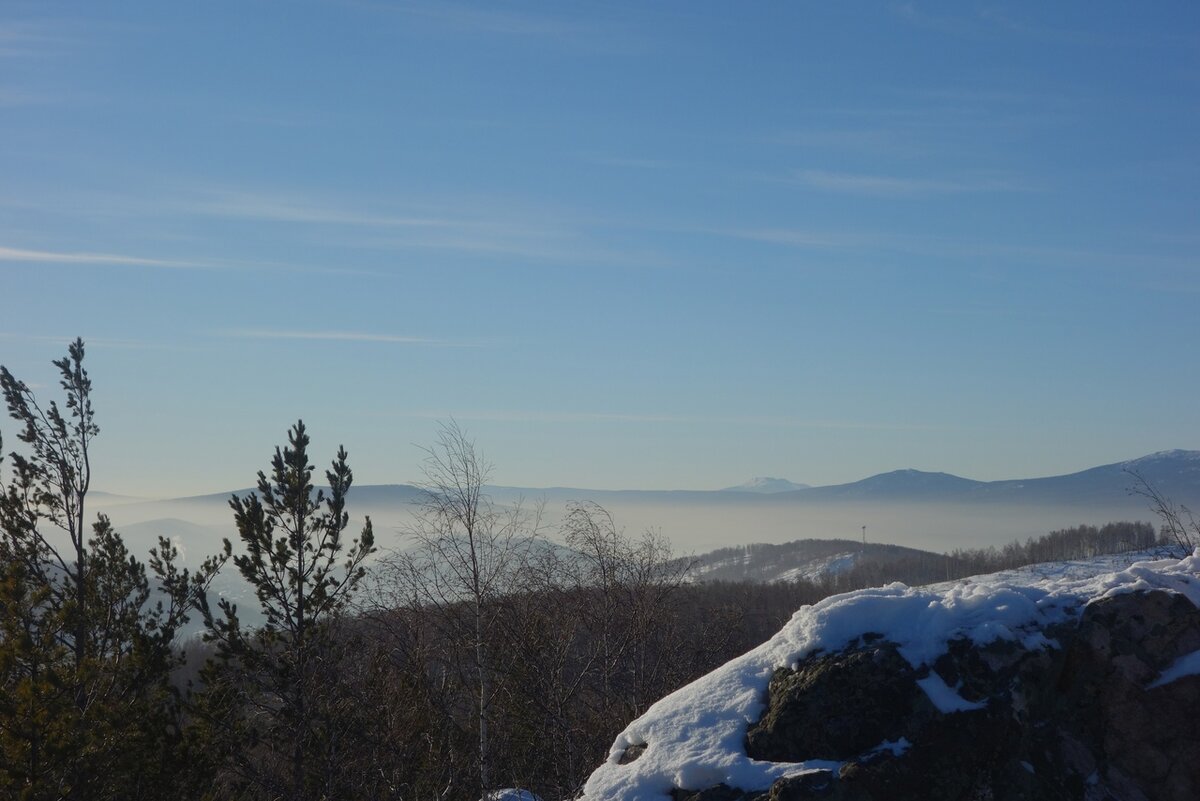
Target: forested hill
[
  {"x": 799, "y": 559},
  {"x": 846, "y": 564}
]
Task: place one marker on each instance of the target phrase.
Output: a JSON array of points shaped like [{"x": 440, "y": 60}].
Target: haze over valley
[{"x": 931, "y": 511}]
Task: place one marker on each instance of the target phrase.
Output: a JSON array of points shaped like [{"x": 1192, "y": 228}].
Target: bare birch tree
[
  {"x": 1176, "y": 521},
  {"x": 466, "y": 553}
]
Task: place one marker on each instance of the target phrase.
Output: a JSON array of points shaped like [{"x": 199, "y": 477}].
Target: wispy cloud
[
  {"x": 20, "y": 97},
  {"x": 505, "y": 416},
  {"x": 294, "y": 209},
  {"x": 935, "y": 121},
  {"x": 30, "y": 38},
  {"x": 86, "y": 259},
  {"x": 498, "y": 227},
  {"x": 302, "y": 209},
  {"x": 1128, "y": 267},
  {"x": 1005, "y": 22},
  {"x": 943, "y": 24},
  {"x": 991, "y": 21},
  {"x": 465, "y": 223},
  {"x": 494, "y": 20},
  {"x": 840, "y": 136},
  {"x": 630, "y": 162},
  {"x": 892, "y": 186},
  {"x": 543, "y": 251},
  {"x": 800, "y": 238},
  {"x": 344, "y": 336},
  {"x": 58, "y": 257},
  {"x": 534, "y": 416},
  {"x": 99, "y": 342}
]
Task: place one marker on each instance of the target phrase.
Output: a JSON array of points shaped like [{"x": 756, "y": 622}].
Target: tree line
[
  {"x": 1075, "y": 542},
  {"x": 486, "y": 655}
]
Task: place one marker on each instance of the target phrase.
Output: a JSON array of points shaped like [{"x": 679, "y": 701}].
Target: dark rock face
[
  {"x": 818, "y": 784},
  {"x": 721, "y": 792},
  {"x": 1146, "y": 740},
  {"x": 838, "y": 706},
  {"x": 814, "y": 784},
  {"x": 1073, "y": 722}
]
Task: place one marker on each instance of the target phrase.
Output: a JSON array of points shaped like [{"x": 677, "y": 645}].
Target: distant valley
[{"x": 931, "y": 511}]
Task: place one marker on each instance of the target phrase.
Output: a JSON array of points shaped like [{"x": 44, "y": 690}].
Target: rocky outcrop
[
  {"x": 838, "y": 705},
  {"x": 1073, "y": 714}
]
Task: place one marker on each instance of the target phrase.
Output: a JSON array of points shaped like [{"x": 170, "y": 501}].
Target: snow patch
[
  {"x": 512, "y": 794},
  {"x": 895, "y": 748},
  {"x": 695, "y": 737},
  {"x": 945, "y": 697},
  {"x": 1186, "y": 665},
  {"x": 815, "y": 569}
]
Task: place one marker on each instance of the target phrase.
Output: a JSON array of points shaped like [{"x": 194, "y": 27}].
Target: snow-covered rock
[
  {"x": 512, "y": 794},
  {"x": 1072, "y": 680}
]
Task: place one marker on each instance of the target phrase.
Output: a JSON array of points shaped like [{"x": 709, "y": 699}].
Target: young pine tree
[
  {"x": 87, "y": 710},
  {"x": 274, "y": 703}
]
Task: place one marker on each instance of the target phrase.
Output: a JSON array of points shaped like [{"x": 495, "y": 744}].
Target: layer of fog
[{"x": 694, "y": 524}]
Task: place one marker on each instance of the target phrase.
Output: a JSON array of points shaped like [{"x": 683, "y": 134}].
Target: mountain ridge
[{"x": 1176, "y": 473}]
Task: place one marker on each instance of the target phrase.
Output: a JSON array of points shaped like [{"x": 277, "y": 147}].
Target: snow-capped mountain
[{"x": 767, "y": 485}]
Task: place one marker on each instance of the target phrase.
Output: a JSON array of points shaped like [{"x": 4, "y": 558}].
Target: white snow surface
[
  {"x": 896, "y": 748},
  {"x": 695, "y": 737},
  {"x": 815, "y": 569},
  {"x": 944, "y": 697},
  {"x": 511, "y": 794},
  {"x": 1186, "y": 665}
]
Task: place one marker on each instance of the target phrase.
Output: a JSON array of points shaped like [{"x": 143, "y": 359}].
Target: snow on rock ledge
[{"x": 995, "y": 653}]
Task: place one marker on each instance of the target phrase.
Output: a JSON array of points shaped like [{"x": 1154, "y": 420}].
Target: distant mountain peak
[
  {"x": 910, "y": 475},
  {"x": 1173, "y": 455},
  {"x": 766, "y": 485}
]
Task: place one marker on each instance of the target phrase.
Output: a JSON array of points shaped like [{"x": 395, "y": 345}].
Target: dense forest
[{"x": 486, "y": 655}]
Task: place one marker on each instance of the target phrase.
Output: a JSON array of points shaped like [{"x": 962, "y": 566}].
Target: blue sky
[{"x": 625, "y": 245}]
